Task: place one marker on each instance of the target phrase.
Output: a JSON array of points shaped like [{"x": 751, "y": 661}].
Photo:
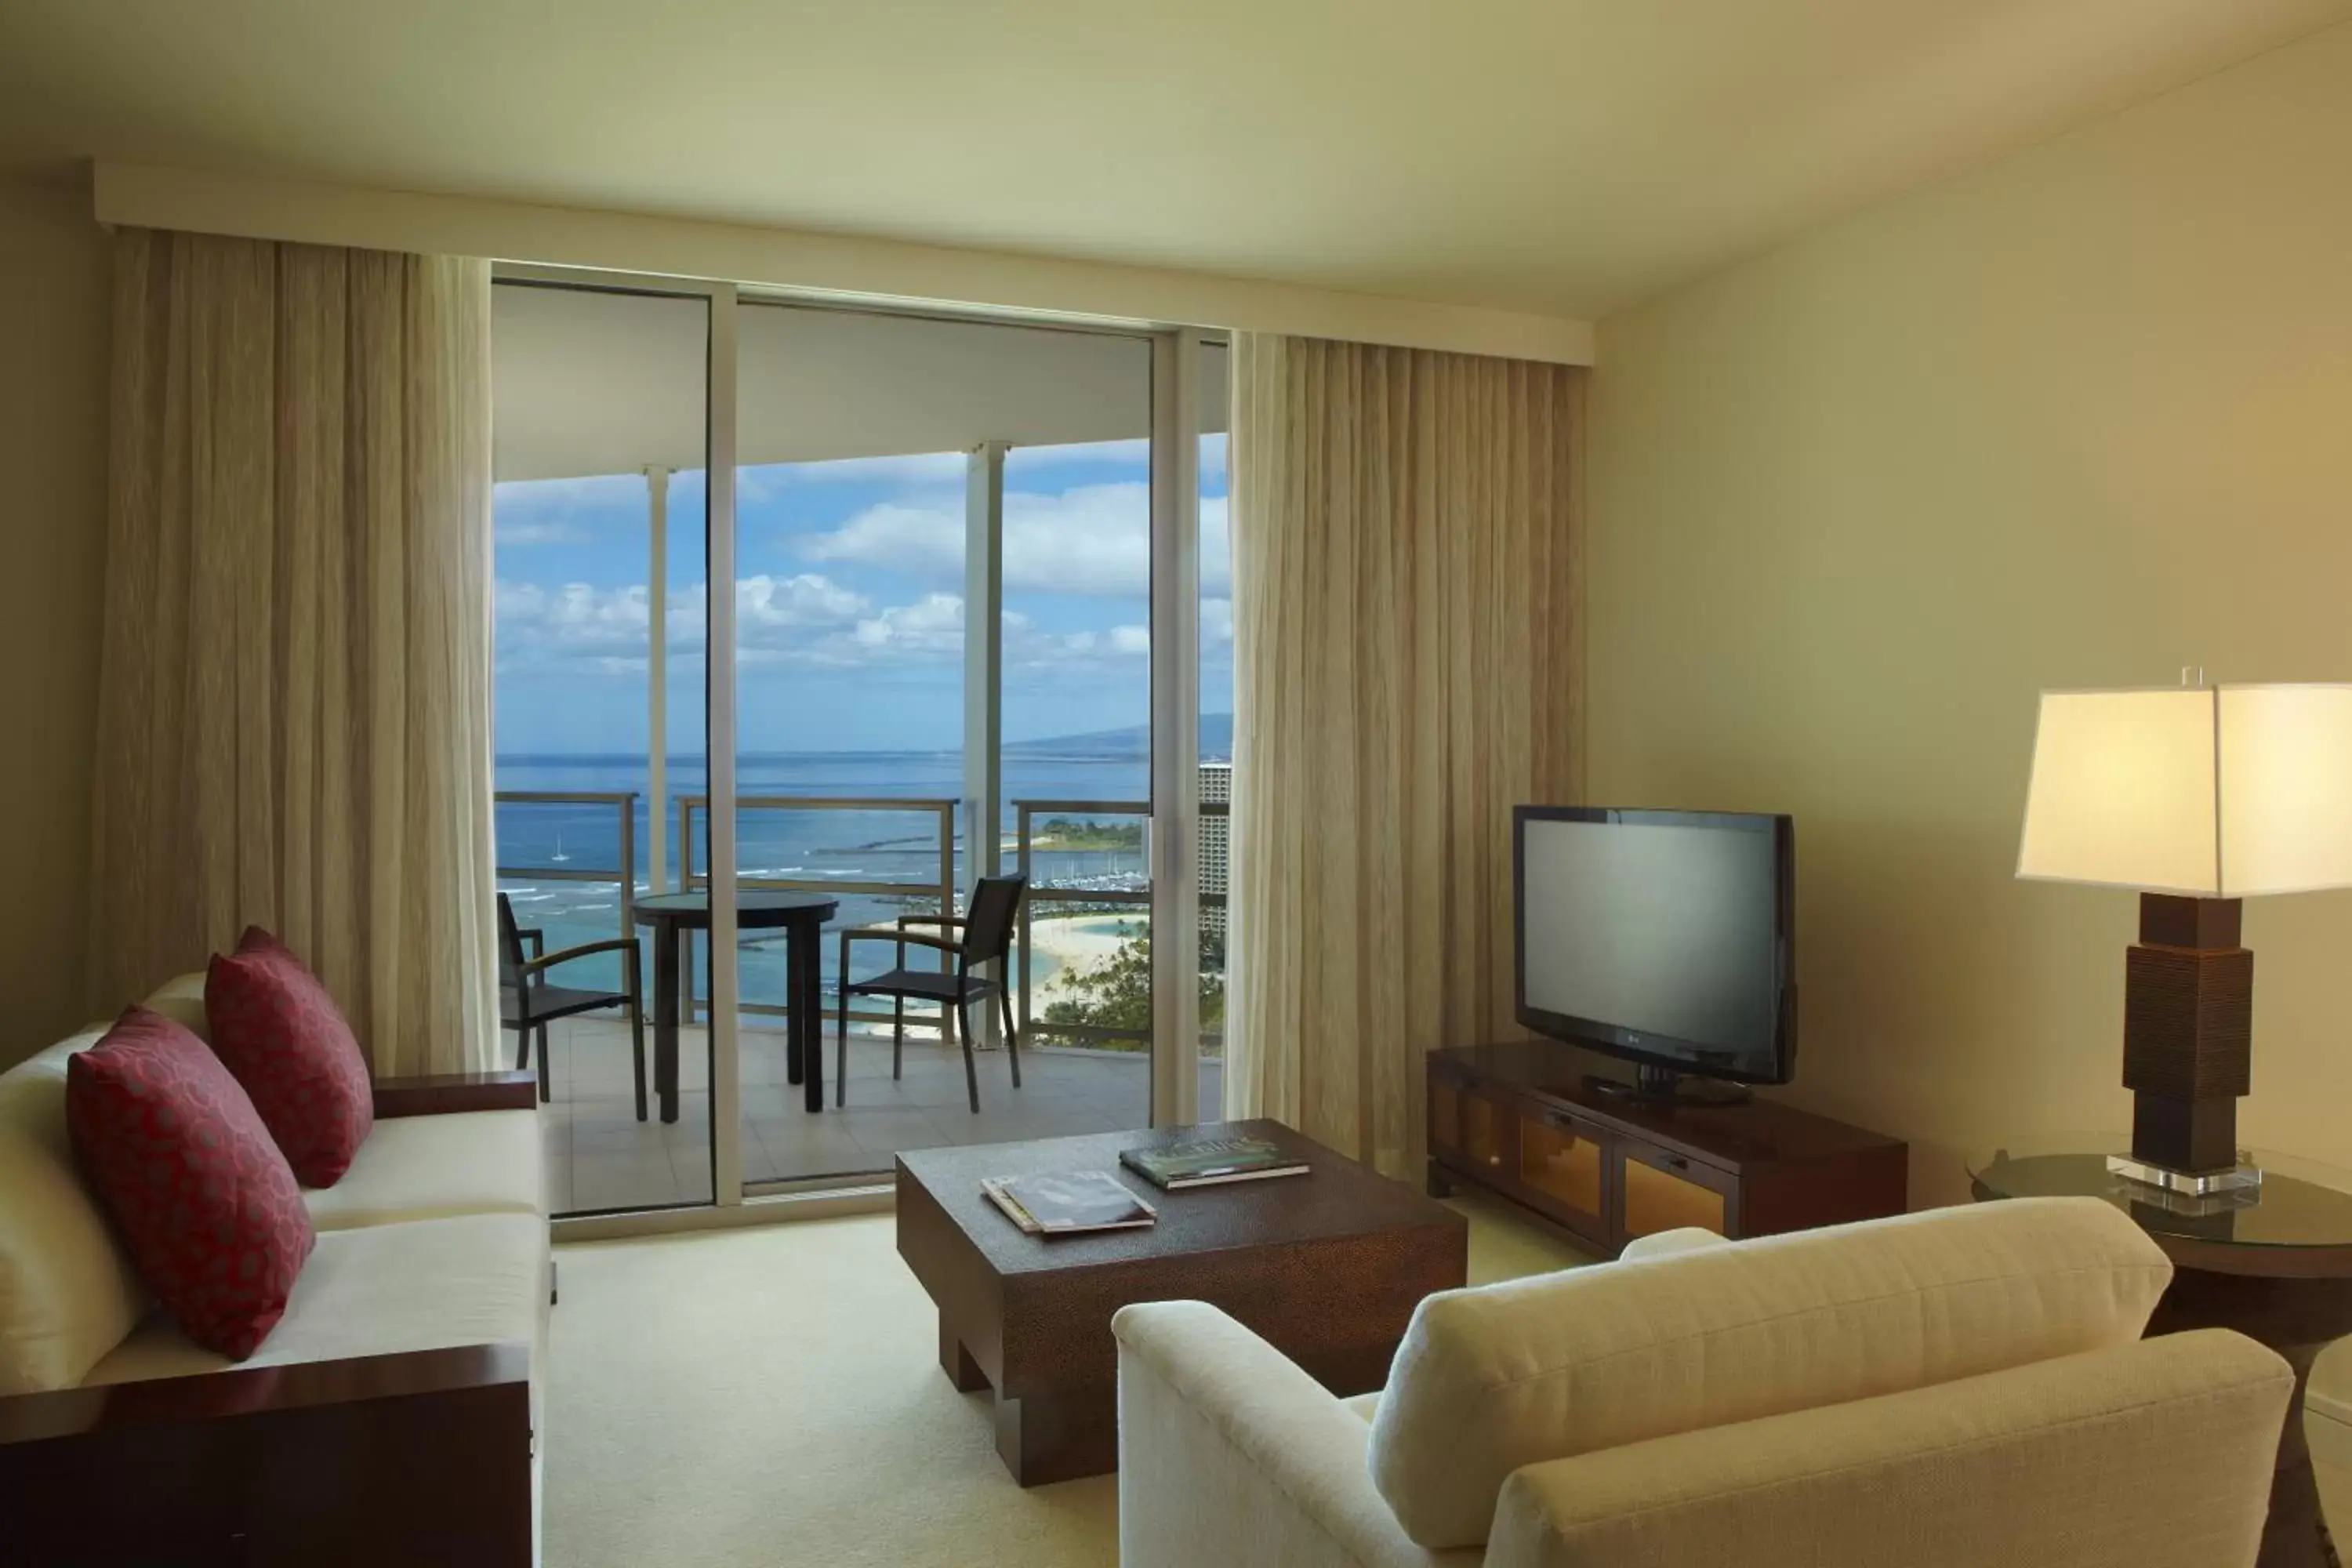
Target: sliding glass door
[
  {"x": 952, "y": 610},
  {"x": 944, "y": 656},
  {"x": 1077, "y": 750},
  {"x": 601, "y": 527}
]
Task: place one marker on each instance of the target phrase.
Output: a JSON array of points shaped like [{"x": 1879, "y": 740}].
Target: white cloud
[
  {"x": 927, "y": 541},
  {"x": 610, "y": 628},
  {"x": 807, "y": 620},
  {"x": 571, "y": 623},
  {"x": 1091, "y": 538},
  {"x": 806, "y": 600},
  {"x": 930, "y": 628},
  {"x": 1029, "y": 647},
  {"x": 1216, "y": 623}
]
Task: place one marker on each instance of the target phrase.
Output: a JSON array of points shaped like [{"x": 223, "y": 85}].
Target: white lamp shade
[{"x": 2224, "y": 792}]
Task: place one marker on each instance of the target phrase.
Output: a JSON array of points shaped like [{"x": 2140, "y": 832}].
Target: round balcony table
[
  {"x": 2274, "y": 1264},
  {"x": 801, "y": 917}
]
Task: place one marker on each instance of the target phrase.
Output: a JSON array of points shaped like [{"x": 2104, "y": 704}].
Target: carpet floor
[{"x": 738, "y": 1399}]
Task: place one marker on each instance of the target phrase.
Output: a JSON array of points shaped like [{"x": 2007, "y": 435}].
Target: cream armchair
[{"x": 1962, "y": 1387}]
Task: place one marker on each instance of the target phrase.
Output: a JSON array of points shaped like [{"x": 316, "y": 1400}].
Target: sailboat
[{"x": 558, "y": 857}]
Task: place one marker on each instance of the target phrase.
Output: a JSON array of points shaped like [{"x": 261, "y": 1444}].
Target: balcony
[
  {"x": 1076, "y": 1076},
  {"x": 600, "y": 1158}
]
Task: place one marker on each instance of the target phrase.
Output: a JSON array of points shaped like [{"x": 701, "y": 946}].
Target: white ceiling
[{"x": 1564, "y": 156}]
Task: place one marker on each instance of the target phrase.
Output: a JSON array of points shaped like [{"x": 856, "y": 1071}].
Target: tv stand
[
  {"x": 1532, "y": 1121},
  {"x": 1664, "y": 1084}
]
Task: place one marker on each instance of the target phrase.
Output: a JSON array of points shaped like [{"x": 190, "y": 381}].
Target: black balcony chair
[
  {"x": 987, "y": 937},
  {"x": 527, "y": 1004}
]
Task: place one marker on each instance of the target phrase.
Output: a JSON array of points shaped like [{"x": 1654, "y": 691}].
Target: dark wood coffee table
[{"x": 1326, "y": 1267}]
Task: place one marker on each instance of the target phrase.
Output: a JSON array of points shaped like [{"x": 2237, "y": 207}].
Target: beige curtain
[
  {"x": 294, "y": 723},
  {"x": 1407, "y": 632}
]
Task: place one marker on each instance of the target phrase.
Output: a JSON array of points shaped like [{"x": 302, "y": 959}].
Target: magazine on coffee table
[
  {"x": 1206, "y": 1162},
  {"x": 1068, "y": 1203}
]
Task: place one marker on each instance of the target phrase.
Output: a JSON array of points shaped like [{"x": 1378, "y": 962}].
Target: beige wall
[
  {"x": 53, "y": 359},
  {"x": 2076, "y": 419}
]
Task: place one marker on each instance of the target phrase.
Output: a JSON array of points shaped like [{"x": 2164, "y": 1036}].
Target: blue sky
[{"x": 849, "y": 603}]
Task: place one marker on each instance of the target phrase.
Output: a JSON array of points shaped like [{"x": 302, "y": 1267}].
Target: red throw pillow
[
  {"x": 283, "y": 1038},
  {"x": 179, "y": 1160}
]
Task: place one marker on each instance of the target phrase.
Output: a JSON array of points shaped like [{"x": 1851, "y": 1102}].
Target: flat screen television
[{"x": 1666, "y": 938}]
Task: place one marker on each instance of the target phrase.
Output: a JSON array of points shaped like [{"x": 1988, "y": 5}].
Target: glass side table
[{"x": 2274, "y": 1262}]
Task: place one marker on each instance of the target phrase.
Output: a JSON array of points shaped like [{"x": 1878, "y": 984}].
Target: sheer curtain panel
[
  {"x": 294, "y": 724},
  {"x": 1407, "y": 651}
]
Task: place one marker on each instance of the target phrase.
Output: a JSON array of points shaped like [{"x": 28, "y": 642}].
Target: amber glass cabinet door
[
  {"x": 1469, "y": 1126},
  {"x": 1561, "y": 1164},
  {"x": 1662, "y": 1191}
]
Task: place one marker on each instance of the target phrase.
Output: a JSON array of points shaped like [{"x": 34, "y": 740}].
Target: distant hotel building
[{"x": 1216, "y": 843}]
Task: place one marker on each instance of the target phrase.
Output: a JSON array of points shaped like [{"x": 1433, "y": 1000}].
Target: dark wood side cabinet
[{"x": 1518, "y": 1120}]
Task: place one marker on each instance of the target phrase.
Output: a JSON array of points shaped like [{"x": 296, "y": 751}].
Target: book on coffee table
[
  {"x": 1068, "y": 1203},
  {"x": 1206, "y": 1161}
]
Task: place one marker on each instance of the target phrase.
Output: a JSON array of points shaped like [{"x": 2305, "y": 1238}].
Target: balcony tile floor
[{"x": 600, "y": 1157}]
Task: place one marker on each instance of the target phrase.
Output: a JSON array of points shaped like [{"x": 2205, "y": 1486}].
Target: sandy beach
[{"x": 1072, "y": 944}]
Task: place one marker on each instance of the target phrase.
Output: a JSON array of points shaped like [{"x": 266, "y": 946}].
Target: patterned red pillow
[
  {"x": 283, "y": 1038},
  {"x": 180, "y": 1162}
]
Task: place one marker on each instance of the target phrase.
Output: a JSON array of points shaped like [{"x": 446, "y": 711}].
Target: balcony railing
[
  {"x": 940, "y": 894},
  {"x": 690, "y": 805},
  {"x": 1025, "y": 813},
  {"x": 622, "y": 876}
]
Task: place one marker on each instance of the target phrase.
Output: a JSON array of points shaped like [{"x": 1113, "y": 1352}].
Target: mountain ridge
[{"x": 1134, "y": 741}]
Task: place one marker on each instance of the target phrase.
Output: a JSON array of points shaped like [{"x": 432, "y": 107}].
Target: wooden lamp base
[{"x": 2189, "y": 1016}]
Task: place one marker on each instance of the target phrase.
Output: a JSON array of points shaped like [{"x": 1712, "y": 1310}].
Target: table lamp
[{"x": 2198, "y": 796}]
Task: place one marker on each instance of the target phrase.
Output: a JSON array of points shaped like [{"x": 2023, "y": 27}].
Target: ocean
[{"x": 866, "y": 845}]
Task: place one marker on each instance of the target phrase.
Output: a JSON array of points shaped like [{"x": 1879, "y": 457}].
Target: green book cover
[{"x": 1198, "y": 1160}]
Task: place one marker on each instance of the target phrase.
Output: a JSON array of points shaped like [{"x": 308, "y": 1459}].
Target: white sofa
[
  {"x": 406, "y": 1368},
  {"x": 2327, "y": 1412},
  {"x": 1966, "y": 1386}
]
